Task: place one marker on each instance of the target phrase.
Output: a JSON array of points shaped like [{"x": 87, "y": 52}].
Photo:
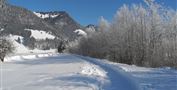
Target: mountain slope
[
  {"x": 32, "y": 26},
  {"x": 62, "y": 21},
  {"x": 15, "y": 19},
  {"x": 19, "y": 21}
]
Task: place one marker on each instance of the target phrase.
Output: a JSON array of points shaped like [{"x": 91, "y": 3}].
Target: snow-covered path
[
  {"x": 63, "y": 72},
  {"x": 119, "y": 79}
]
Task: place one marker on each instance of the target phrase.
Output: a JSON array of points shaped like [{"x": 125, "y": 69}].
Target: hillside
[
  {"x": 61, "y": 21},
  {"x": 37, "y": 27}
]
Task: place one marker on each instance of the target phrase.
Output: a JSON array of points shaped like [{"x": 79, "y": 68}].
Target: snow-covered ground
[
  {"x": 148, "y": 78},
  {"x": 72, "y": 72},
  {"x": 39, "y": 34},
  {"x": 20, "y": 49},
  {"x": 153, "y": 78},
  {"x": 63, "y": 72}
]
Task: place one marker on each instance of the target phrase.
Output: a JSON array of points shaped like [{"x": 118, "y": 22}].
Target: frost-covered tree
[
  {"x": 145, "y": 36},
  {"x": 103, "y": 24},
  {"x": 141, "y": 35},
  {"x": 2, "y": 4},
  {"x": 6, "y": 47}
]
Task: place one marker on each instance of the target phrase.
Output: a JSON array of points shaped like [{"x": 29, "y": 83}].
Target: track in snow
[{"x": 118, "y": 78}]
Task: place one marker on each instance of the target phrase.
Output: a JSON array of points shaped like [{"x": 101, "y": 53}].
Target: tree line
[{"x": 140, "y": 35}]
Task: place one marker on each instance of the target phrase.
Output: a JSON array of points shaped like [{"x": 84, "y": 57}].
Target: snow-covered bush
[
  {"x": 145, "y": 36},
  {"x": 6, "y": 47}
]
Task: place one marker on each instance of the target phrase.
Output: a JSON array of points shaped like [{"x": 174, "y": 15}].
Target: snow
[
  {"x": 23, "y": 57},
  {"x": 51, "y": 71},
  {"x": 54, "y": 16},
  {"x": 133, "y": 68},
  {"x": 56, "y": 72},
  {"x": 37, "y": 51},
  {"x": 118, "y": 79},
  {"x": 93, "y": 70},
  {"x": 43, "y": 16},
  {"x": 39, "y": 34},
  {"x": 46, "y": 73},
  {"x": 156, "y": 78},
  {"x": 19, "y": 47},
  {"x": 80, "y": 32},
  {"x": 90, "y": 30},
  {"x": 1, "y": 29},
  {"x": 146, "y": 78},
  {"x": 16, "y": 37},
  {"x": 150, "y": 78}
]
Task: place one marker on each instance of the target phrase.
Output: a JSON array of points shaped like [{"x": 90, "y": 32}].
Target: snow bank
[
  {"x": 118, "y": 78},
  {"x": 39, "y": 34},
  {"x": 133, "y": 68},
  {"x": 37, "y": 51},
  {"x": 26, "y": 57},
  {"x": 126, "y": 67},
  {"x": 93, "y": 70}
]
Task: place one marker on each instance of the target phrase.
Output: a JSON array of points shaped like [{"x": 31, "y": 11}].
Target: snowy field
[
  {"x": 153, "y": 78},
  {"x": 72, "y": 72}
]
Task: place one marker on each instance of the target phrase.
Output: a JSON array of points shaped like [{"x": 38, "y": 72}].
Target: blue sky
[{"x": 83, "y": 11}]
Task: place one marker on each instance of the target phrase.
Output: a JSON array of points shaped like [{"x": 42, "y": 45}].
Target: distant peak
[{"x": 90, "y": 25}]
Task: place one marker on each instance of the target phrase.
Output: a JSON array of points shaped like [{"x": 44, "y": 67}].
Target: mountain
[
  {"x": 61, "y": 21},
  {"x": 39, "y": 29},
  {"x": 91, "y": 28},
  {"x": 14, "y": 20}
]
